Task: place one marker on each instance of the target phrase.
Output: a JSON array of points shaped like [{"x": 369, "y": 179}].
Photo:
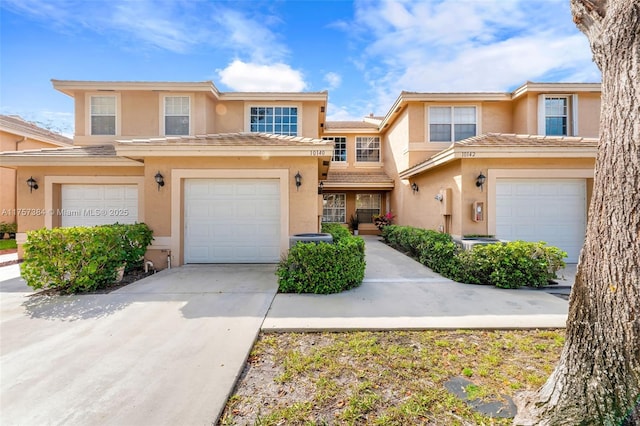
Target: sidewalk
[{"x": 400, "y": 293}]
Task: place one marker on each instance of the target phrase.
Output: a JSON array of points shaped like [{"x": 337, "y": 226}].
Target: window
[
  {"x": 334, "y": 208},
  {"x": 368, "y": 149},
  {"x": 556, "y": 116},
  {"x": 367, "y": 206},
  {"x": 276, "y": 120},
  {"x": 176, "y": 115},
  {"x": 339, "y": 147},
  {"x": 103, "y": 115},
  {"x": 450, "y": 124}
]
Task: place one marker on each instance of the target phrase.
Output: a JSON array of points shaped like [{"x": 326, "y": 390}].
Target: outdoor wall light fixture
[
  {"x": 159, "y": 180},
  {"x": 414, "y": 187},
  {"x": 480, "y": 181},
  {"x": 320, "y": 188},
  {"x": 439, "y": 197},
  {"x": 32, "y": 184},
  {"x": 298, "y": 179}
]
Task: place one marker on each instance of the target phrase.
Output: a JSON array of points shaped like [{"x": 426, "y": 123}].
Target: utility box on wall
[
  {"x": 477, "y": 213},
  {"x": 445, "y": 205}
]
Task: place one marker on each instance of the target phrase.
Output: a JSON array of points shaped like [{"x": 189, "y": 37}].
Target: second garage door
[
  {"x": 232, "y": 220},
  {"x": 551, "y": 210}
]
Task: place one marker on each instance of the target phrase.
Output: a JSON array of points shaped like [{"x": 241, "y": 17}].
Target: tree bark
[{"x": 597, "y": 380}]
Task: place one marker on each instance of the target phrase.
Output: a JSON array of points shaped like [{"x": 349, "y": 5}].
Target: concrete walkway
[
  {"x": 400, "y": 293},
  {"x": 168, "y": 349}
]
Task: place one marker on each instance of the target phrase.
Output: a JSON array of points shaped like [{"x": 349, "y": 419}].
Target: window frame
[
  {"x": 335, "y": 148},
  {"x": 369, "y": 194},
  {"x": 163, "y": 113},
  {"x": 452, "y": 122},
  {"x": 343, "y": 207},
  {"x": 378, "y": 149},
  {"x": 571, "y": 111},
  {"x": 299, "y": 115},
  {"x": 90, "y": 115}
]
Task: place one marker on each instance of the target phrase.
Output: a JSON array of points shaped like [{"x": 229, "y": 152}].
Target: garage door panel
[
  {"x": 550, "y": 210},
  {"x": 91, "y": 205},
  {"x": 240, "y": 217}
]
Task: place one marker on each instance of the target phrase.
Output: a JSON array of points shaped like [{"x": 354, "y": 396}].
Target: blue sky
[{"x": 363, "y": 52}]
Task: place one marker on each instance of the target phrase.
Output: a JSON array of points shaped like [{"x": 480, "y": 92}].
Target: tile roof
[
  {"x": 71, "y": 151},
  {"x": 229, "y": 139},
  {"x": 339, "y": 125},
  {"x": 357, "y": 177},
  {"x": 513, "y": 140},
  {"x": 14, "y": 123}
]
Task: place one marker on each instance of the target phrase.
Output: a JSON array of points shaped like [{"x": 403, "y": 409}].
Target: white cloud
[
  {"x": 333, "y": 79},
  {"x": 466, "y": 45},
  {"x": 341, "y": 113},
  {"x": 253, "y": 77}
]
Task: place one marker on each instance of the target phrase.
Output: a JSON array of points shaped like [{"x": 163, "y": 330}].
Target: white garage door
[
  {"x": 90, "y": 205},
  {"x": 232, "y": 220},
  {"x": 551, "y": 210}
]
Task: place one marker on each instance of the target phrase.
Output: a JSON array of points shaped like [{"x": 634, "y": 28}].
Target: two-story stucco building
[{"x": 226, "y": 177}]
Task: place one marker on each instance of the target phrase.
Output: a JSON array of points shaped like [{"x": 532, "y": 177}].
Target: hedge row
[
  {"x": 82, "y": 259},
  {"x": 506, "y": 265},
  {"x": 323, "y": 268}
]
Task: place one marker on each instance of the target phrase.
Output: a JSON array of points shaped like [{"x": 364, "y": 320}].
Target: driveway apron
[{"x": 165, "y": 350}]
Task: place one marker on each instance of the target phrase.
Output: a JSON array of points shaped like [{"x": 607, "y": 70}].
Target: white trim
[
  {"x": 49, "y": 181},
  {"x": 247, "y": 113},
  {"x": 163, "y": 97},
  {"x": 574, "y": 115},
  {"x": 87, "y": 120},
  {"x": 494, "y": 174},
  {"x": 177, "y": 207},
  {"x": 427, "y": 132}
]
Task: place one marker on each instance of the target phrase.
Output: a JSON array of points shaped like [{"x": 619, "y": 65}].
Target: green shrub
[
  {"x": 81, "y": 259},
  {"x": 506, "y": 265},
  {"x": 322, "y": 268},
  {"x": 337, "y": 231}
]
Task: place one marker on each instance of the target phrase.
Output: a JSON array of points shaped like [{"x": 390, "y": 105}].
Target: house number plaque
[{"x": 317, "y": 152}]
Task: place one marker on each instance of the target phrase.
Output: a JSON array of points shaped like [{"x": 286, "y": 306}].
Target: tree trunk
[{"x": 597, "y": 380}]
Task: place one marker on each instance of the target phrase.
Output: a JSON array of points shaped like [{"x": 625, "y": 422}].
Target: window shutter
[
  {"x": 542, "y": 130},
  {"x": 574, "y": 115}
]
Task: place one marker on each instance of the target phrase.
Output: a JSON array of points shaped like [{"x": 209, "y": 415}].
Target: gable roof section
[
  {"x": 19, "y": 126},
  {"x": 333, "y": 126},
  {"x": 97, "y": 155},
  {"x": 502, "y": 145}
]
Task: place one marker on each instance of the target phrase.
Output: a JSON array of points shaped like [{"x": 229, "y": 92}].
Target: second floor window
[
  {"x": 103, "y": 115},
  {"x": 176, "y": 115},
  {"x": 276, "y": 120},
  {"x": 339, "y": 148},
  {"x": 450, "y": 124},
  {"x": 556, "y": 114},
  {"x": 368, "y": 149}
]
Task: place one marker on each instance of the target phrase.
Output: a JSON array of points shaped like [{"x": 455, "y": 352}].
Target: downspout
[{"x": 15, "y": 192}]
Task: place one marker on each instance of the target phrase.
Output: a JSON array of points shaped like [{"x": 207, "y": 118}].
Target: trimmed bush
[
  {"x": 322, "y": 268},
  {"x": 506, "y": 265},
  {"x": 81, "y": 259},
  {"x": 337, "y": 231}
]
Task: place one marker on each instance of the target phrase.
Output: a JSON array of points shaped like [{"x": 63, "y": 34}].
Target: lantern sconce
[
  {"x": 320, "y": 188},
  {"x": 414, "y": 187},
  {"x": 159, "y": 180},
  {"x": 33, "y": 184},
  {"x": 298, "y": 179},
  {"x": 480, "y": 180}
]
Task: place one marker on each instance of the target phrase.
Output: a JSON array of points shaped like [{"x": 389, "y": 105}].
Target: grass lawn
[
  {"x": 7, "y": 244},
  {"x": 387, "y": 378}
]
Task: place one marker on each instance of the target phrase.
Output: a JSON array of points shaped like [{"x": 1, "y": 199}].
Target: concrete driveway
[{"x": 163, "y": 351}]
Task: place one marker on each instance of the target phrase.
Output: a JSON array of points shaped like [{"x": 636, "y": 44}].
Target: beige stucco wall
[
  {"x": 422, "y": 210},
  {"x": 13, "y": 142},
  {"x": 589, "y": 115},
  {"x": 142, "y": 118},
  {"x": 497, "y": 117}
]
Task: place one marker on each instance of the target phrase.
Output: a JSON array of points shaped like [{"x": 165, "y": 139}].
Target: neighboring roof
[
  {"x": 229, "y": 139},
  {"x": 104, "y": 155},
  {"x": 19, "y": 126},
  {"x": 503, "y": 145},
  {"x": 346, "y": 179},
  {"x": 349, "y": 125}
]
